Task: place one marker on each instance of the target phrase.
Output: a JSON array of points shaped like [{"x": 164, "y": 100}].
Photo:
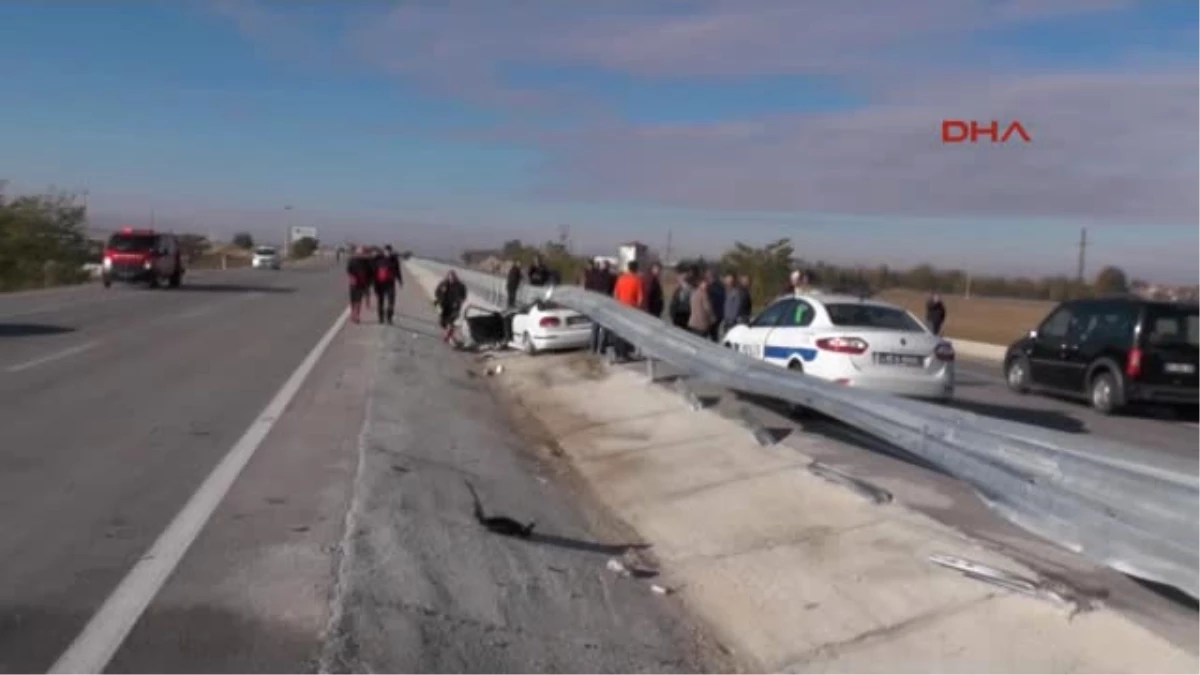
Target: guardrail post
[{"x": 693, "y": 401}]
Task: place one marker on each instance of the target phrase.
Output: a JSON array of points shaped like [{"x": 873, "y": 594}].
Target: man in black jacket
[
  {"x": 512, "y": 283},
  {"x": 449, "y": 298},
  {"x": 539, "y": 274},
  {"x": 935, "y": 313},
  {"x": 386, "y": 272},
  {"x": 359, "y": 271}
]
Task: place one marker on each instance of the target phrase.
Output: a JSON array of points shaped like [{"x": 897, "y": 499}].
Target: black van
[{"x": 1111, "y": 352}]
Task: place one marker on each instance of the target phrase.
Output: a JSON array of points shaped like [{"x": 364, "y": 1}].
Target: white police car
[{"x": 851, "y": 341}]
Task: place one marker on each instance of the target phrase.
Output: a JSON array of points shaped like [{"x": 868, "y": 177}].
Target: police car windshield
[
  {"x": 872, "y": 316},
  {"x": 128, "y": 243},
  {"x": 265, "y": 250}
]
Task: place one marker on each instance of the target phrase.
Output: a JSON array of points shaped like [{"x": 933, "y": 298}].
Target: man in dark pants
[
  {"x": 652, "y": 290},
  {"x": 358, "y": 269},
  {"x": 716, "y": 299},
  {"x": 449, "y": 298},
  {"x": 935, "y": 313},
  {"x": 593, "y": 280},
  {"x": 512, "y": 283},
  {"x": 539, "y": 273},
  {"x": 387, "y": 278}
]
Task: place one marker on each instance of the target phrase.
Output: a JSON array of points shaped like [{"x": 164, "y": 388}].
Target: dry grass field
[{"x": 997, "y": 321}]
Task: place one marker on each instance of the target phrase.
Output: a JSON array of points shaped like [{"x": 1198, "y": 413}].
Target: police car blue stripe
[{"x": 785, "y": 353}]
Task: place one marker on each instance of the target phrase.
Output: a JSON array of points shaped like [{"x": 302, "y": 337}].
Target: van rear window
[{"x": 1172, "y": 326}]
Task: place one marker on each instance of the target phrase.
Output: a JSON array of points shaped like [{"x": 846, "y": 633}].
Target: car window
[
  {"x": 872, "y": 316},
  {"x": 800, "y": 314},
  {"x": 1105, "y": 323},
  {"x": 130, "y": 243},
  {"x": 772, "y": 315},
  {"x": 1056, "y": 325},
  {"x": 1170, "y": 325}
]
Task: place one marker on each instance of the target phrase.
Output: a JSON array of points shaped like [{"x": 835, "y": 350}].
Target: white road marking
[
  {"x": 106, "y": 631},
  {"x": 71, "y": 351}
]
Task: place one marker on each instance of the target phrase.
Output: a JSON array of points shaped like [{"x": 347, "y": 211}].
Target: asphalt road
[
  {"x": 115, "y": 404},
  {"x": 981, "y": 390}
]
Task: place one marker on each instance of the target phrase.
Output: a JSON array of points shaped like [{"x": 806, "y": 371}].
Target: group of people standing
[
  {"x": 376, "y": 270},
  {"x": 709, "y": 306}
]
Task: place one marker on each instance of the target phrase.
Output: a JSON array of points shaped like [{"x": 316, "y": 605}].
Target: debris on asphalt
[
  {"x": 861, "y": 487},
  {"x": 618, "y": 567},
  {"x": 661, "y": 590}
]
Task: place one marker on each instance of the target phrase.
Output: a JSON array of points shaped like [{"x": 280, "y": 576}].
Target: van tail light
[
  {"x": 843, "y": 345},
  {"x": 1133, "y": 367},
  {"x": 944, "y": 351},
  {"x": 550, "y": 322}
]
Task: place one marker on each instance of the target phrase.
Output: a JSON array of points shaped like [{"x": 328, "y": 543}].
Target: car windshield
[
  {"x": 264, "y": 250},
  {"x": 872, "y": 316},
  {"x": 1167, "y": 325},
  {"x": 129, "y": 243}
]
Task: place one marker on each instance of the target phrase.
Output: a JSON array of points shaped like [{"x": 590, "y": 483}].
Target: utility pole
[{"x": 1082, "y": 254}]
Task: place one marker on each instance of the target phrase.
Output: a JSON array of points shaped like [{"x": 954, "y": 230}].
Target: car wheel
[
  {"x": 107, "y": 282},
  {"x": 1104, "y": 394},
  {"x": 1016, "y": 375},
  {"x": 154, "y": 281},
  {"x": 527, "y": 345},
  {"x": 176, "y": 279}
]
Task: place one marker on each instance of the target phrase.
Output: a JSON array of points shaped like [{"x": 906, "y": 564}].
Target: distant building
[
  {"x": 611, "y": 260},
  {"x": 631, "y": 251}
]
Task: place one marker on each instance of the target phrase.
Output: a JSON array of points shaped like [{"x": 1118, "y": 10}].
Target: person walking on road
[
  {"x": 358, "y": 269},
  {"x": 387, "y": 278},
  {"x": 935, "y": 313},
  {"x": 701, "y": 318},
  {"x": 628, "y": 291},
  {"x": 512, "y": 283},
  {"x": 449, "y": 298}
]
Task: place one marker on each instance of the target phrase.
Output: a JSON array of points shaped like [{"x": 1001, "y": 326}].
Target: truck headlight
[
  {"x": 147, "y": 265},
  {"x": 106, "y": 263}
]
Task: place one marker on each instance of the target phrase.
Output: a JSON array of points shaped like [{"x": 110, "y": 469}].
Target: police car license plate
[{"x": 905, "y": 360}]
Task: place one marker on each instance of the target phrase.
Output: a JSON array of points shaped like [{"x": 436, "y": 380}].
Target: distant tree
[
  {"x": 42, "y": 241},
  {"x": 768, "y": 267},
  {"x": 1111, "y": 280},
  {"x": 243, "y": 240},
  {"x": 193, "y": 246},
  {"x": 304, "y": 247}
]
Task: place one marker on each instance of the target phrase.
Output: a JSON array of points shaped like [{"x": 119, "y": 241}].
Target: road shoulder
[{"x": 253, "y": 592}]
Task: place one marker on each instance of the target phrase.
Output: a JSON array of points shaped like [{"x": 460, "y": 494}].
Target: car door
[
  {"x": 789, "y": 338},
  {"x": 753, "y": 339},
  {"x": 1087, "y": 339},
  {"x": 1049, "y": 346}
]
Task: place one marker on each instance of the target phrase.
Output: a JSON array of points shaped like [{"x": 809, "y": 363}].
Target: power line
[{"x": 1083, "y": 242}]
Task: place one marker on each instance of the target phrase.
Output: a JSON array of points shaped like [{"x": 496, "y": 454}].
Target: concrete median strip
[{"x": 793, "y": 569}]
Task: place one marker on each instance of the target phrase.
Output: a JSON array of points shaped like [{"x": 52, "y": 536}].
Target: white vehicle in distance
[
  {"x": 547, "y": 326},
  {"x": 850, "y": 341},
  {"x": 266, "y": 258}
]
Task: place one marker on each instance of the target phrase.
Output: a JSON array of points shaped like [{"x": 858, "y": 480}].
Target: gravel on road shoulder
[{"x": 424, "y": 588}]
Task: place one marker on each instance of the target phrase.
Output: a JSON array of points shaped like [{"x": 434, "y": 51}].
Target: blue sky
[{"x": 463, "y": 123}]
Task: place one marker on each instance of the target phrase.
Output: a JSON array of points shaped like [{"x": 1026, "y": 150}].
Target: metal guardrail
[{"x": 1133, "y": 510}]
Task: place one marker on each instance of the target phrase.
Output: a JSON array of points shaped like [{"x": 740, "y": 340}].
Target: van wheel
[
  {"x": 154, "y": 281},
  {"x": 1104, "y": 393},
  {"x": 1016, "y": 375},
  {"x": 107, "y": 282},
  {"x": 176, "y": 279}
]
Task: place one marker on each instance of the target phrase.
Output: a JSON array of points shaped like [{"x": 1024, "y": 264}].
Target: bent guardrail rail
[{"x": 1135, "y": 511}]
